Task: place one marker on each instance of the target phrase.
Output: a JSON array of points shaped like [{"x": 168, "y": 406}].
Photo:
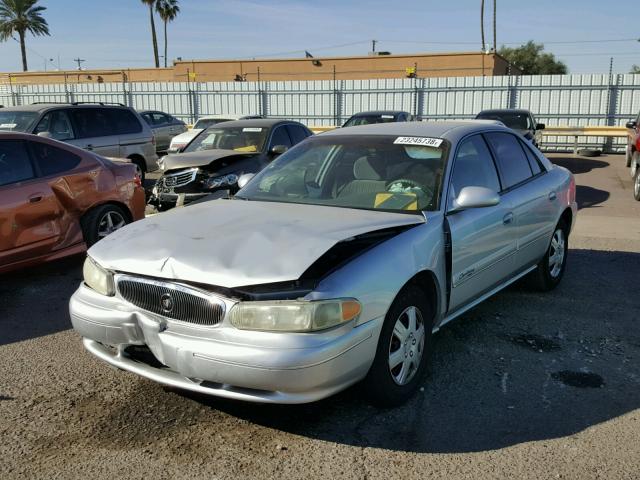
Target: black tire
[
  {"x": 543, "y": 277},
  {"x": 636, "y": 185},
  {"x": 93, "y": 222},
  {"x": 141, "y": 169},
  {"x": 587, "y": 152},
  {"x": 628, "y": 156},
  {"x": 379, "y": 385}
]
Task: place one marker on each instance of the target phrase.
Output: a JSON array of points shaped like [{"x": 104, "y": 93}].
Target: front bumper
[{"x": 224, "y": 361}]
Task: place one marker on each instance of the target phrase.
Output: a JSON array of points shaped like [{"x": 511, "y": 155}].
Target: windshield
[
  {"x": 515, "y": 121},
  {"x": 375, "y": 172},
  {"x": 369, "y": 119},
  {"x": 16, "y": 121},
  {"x": 208, "y": 122},
  {"x": 241, "y": 139}
]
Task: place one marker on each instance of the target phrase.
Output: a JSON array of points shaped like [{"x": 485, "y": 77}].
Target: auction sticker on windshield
[
  {"x": 252, "y": 129},
  {"x": 8, "y": 125},
  {"x": 426, "y": 141}
]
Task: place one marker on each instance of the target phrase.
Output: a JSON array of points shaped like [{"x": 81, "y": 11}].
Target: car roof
[
  {"x": 450, "y": 130},
  {"x": 379, "y": 112},
  {"x": 505, "y": 110},
  {"x": 253, "y": 122},
  {"x": 40, "y": 107}
]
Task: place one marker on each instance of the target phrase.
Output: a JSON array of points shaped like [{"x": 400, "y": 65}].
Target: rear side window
[
  {"x": 125, "y": 121},
  {"x": 473, "y": 167},
  {"x": 15, "y": 165},
  {"x": 534, "y": 163},
  {"x": 280, "y": 137},
  {"x": 512, "y": 162},
  {"x": 92, "y": 122},
  {"x": 297, "y": 133},
  {"x": 53, "y": 160}
]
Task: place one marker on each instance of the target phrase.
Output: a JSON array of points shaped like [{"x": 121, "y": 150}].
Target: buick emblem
[{"x": 166, "y": 302}]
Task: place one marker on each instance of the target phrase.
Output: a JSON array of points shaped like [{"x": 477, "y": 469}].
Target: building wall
[{"x": 325, "y": 68}]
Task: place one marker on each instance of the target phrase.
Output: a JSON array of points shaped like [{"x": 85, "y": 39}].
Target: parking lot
[{"x": 526, "y": 385}]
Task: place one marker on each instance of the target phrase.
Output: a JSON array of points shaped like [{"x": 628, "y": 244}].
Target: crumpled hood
[
  {"x": 232, "y": 243},
  {"x": 196, "y": 159}
]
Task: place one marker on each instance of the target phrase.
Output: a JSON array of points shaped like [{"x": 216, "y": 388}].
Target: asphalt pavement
[{"x": 526, "y": 386}]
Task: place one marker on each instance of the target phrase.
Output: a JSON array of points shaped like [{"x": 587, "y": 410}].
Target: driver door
[{"x": 483, "y": 240}]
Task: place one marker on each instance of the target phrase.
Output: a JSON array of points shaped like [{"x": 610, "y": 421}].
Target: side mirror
[
  {"x": 278, "y": 149},
  {"x": 475, "y": 197},
  {"x": 244, "y": 179},
  {"x": 540, "y": 126},
  {"x": 631, "y": 124},
  {"x": 45, "y": 134}
]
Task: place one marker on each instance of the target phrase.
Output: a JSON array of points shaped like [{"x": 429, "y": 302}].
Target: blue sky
[{"x": 116, "y": 33}]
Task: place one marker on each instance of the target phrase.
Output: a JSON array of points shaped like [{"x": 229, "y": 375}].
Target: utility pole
[
  {"x": 373, "y": 45},
  {"x": 79, "y": 62}
]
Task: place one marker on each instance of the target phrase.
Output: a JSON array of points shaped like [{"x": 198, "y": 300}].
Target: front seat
[{"x": 366, "y": 179}]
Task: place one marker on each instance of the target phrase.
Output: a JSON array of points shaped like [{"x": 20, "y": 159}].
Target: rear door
[
  {"x": 531, "y": 192},
  {"x": 29, "y": 211},
  {"x": 483, "y": 242},
  {"x": 95, "y": 131}
]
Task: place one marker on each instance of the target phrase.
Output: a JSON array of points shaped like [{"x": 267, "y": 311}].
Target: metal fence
[{"x": 557, "y": 100}]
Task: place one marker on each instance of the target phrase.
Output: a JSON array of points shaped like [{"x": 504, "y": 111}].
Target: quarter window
[
  {"x": 473, "y": 167},
  {"x": 52, "y": 160},
  {"x": 512, "y": 163},
  {"x": 15, "y": 165},
  {"x": 534, "y": 163}
]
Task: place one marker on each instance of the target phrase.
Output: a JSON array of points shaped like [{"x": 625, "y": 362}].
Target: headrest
[{"x": 363, "y": 170}]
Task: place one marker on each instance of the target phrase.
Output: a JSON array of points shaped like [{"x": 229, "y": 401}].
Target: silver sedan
[{"x": 333, "y": 265}]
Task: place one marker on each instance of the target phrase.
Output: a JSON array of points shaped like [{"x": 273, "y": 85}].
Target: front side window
[
  {"x": 473, "y": 167},
  {"x": 280, "y": 137},
  {"x": 57, "y": 125},
  {"x": 53, "y": 160},
  {"x": 240, "y": 139},
  {"x": 297, "y": 133},
  {"x": 16, "y": 121},
  {"x": 15, "y": 165},
  {"x": 512, "y": 163},
  {"x": 374, "y": 172}
]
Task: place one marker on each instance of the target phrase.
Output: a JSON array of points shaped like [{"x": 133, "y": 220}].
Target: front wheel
[
  {"x": 403, "y": 350},
  {"x": 636, "y": 185},
  {"x": 551, "y": 268}
]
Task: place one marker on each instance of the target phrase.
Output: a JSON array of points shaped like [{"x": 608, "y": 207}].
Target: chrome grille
[
  {"x": 171, "y": 300},
  {"x": 179, "y": 179}
]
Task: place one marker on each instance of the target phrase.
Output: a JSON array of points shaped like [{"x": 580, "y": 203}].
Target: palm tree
[
  {"x": 482, "y": 24},
  {"x": 151, "y": 4},
  {"x": 168, "y": 11},
  {"x": 22, "y": 16},
  {"x": 495, "y": 45}
]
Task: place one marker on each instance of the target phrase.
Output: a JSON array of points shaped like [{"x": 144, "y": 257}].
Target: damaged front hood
[
  {"x": 232, "y": 243},
  {"x": 197, "y": 159}
]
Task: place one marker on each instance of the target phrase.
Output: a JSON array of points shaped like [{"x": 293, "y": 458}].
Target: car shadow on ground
[
  {"x": 35, "y": 301},
  {"x": 589, "y": 197},
  {"x": 577, "y": 165},
  {"x": 524, "y": 366}
]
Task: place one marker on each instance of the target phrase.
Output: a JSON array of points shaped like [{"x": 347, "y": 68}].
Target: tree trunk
[
  {"x": 165, "y": 44},
  {"x": 484, "y": 45},
  {"x": 495, "y": 45},
  {"x": 23, "y": 50},
  {"x": 153, "y": 35}
]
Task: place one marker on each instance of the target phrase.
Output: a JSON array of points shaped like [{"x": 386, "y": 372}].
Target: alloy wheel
[
  {"x": 557, "y": 253},
  {"x": 109, "y": 223},
  {"x": 406, "y": 347}
]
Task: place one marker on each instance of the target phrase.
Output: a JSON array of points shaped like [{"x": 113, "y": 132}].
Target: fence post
[{"x": 612, "y": 104}]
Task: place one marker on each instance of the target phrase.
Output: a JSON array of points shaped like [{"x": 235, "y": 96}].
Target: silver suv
[{"x": 108, "y": 130}]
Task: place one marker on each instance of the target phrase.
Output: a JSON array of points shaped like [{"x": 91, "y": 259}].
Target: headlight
[
  {"x": 98, "y": 278},
  {"x": 222, "y": 181},
  {"x": 293, "y": 316}
]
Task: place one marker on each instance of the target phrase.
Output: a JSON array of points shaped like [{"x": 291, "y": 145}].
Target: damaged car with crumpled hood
[
  {"x": 214, "y": 160},
  {"x": 333, "y": 265}
]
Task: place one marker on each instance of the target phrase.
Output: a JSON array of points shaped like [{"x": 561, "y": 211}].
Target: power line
[{"x": 567, "y": 42}]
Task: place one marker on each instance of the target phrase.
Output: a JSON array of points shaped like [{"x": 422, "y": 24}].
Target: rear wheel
[
  {"x": 101, "y": 222},
  {"x": 551, "y": 268},
  {"x": 403, "y": 349},
  {"x": 636, "y": 185}
]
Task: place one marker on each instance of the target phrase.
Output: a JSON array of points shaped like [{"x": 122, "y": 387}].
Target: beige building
[{"x": 319, "y": 68}]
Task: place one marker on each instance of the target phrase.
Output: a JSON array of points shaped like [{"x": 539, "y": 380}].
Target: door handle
[
  {"x": 35, "y": 198},
  {"x": 89, "y": 147},
  {"x": 552, "y": 196},
  {"x": 508, "y": 218}
]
